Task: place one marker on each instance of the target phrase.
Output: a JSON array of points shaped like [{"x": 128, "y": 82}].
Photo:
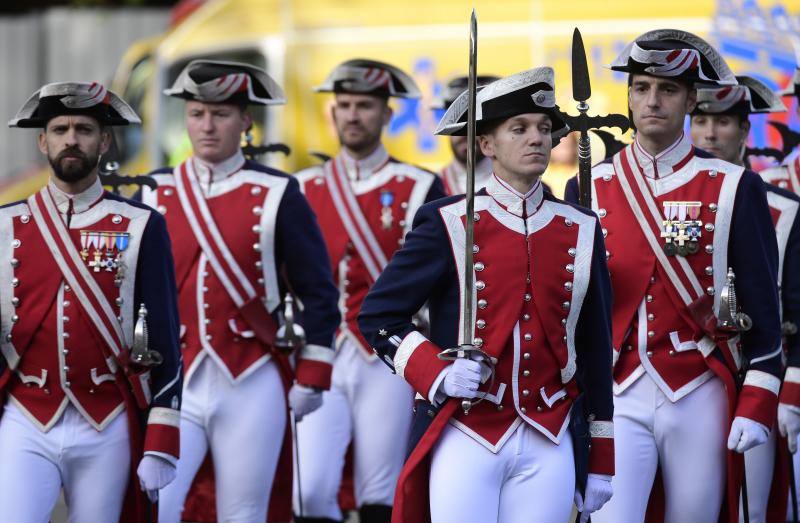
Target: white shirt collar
[
  {"x": 671, "y": 159},
  {"x": 363, "y": 168},
  {"x": 209, "y": 173},
  {"x": 81, "y": 202},
  {"x": 483, "y": 172},
  {"x": 512, "y": 200}
]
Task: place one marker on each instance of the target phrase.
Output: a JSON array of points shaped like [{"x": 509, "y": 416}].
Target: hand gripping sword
[
  {"x": 467, "y": 348},
  {"x": 581, "y": 91}
]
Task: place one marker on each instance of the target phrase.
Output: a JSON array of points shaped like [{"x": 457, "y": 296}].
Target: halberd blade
[{"x": 581, "y": 88}]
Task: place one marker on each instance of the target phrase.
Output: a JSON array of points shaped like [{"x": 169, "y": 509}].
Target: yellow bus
[{"x": 299, "y": 41}]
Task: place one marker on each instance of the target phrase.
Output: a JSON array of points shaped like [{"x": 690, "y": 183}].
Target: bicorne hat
[{"x": 74, "y": 98}]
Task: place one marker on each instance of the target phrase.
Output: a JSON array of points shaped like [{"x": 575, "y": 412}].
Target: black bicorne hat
[
  {"x": 456, "y": 86},
  {"x": 212, "y": 81},
  {"x": 362, "y": 76},
  {"x": 74, "y": 98},
  {"x": 531, "y": 91},
  {"x": 751, "y": 96},
  {"x": 671, "y": 53}
]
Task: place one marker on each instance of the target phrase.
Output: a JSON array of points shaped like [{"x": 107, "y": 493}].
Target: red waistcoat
[
  {"x": 387, "y": 195},
  {"x": 532, "y": 275},
  {"x": 50, "y": 342},
  {"x": 653, "y": 330},
  {"x": 244, "y": 206}
]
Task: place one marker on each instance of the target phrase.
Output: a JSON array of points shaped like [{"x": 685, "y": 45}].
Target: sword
[
  {"x": 467, "y": 349},
  {"x": 297, "y": 466},
  {"x": 581, "y": 91},
  {"x": 792, "y": 488}
]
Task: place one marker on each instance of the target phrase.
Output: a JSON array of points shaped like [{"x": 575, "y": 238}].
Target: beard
[
  {"x": 362, "y": 141},
  {"x": 73, "y": 171}
]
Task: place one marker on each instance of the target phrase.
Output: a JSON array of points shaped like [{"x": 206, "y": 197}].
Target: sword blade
[
  {"x": 467, "y": 325},
  {"x": 581, "y": 86}
]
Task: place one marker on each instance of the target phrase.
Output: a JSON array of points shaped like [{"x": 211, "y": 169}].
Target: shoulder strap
[
  {"x": 353, "y": 219},
  {"x": 209, "y": 237},
  {"x": 644, "y": 208},
  {"x": 90, "y": 298},
  {"x": 219, "y": 255}
]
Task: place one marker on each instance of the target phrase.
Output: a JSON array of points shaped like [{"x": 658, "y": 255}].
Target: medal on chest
[
  {"x": 387, "y": 218},
  {"x": 681, "y": 228},
  {"x": 102, "y": 250}
]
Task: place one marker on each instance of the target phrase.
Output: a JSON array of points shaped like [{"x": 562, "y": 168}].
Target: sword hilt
[{"x": 471, "y": 352}]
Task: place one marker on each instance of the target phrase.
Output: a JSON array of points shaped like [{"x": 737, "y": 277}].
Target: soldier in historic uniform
[
  {"x": 544, "y": 321},
  {"x": 89, "y": 326},
  {"x": 454, "y": 174},
  {"x": 787, "y": 175},
  {"x": 366, "y": 201},
  {"x": 244, "y": 236},
  {"x": 693, "y": 261},
  {"x": 720, "y": 125}
]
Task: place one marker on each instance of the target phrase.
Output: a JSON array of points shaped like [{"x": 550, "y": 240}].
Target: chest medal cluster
[
  {"x": 102, "y": 250},
  {"x": 387, "y": 218},
  {"x": 681, "y": 228}
]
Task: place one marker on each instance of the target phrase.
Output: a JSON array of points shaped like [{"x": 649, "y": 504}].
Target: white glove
[
  {"x": 789, "y": 425},
  {"x": 746, "y": 434},
  {"x": 462, "y": 379},
  {"x": 154, "y": 474},
  {"x": 304, "y": 400},
  {"x": 598, "y": 492}
]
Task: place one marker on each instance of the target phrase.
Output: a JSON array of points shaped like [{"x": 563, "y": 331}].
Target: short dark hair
[{"x": 682, "y": 81}]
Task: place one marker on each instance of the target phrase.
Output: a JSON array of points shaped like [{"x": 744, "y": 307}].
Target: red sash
[
  {"x": 353, "y": 219},
  {"x": 644, "y": 208},
  {"x": 450, "y": 180},
  {"x": 239, "y": 288},
  {"x": 91, "y": 299}
]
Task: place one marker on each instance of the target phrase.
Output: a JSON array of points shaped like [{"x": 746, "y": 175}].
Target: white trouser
[
  {"x": 243, "y": 426},
  {"x": 530, "y": 480},
  {"x": 687, "y": 439},
  {"x": 368, "y": 405},
  {"x": 759, "y": 465},
  {"x": 93, "y": 467}
]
